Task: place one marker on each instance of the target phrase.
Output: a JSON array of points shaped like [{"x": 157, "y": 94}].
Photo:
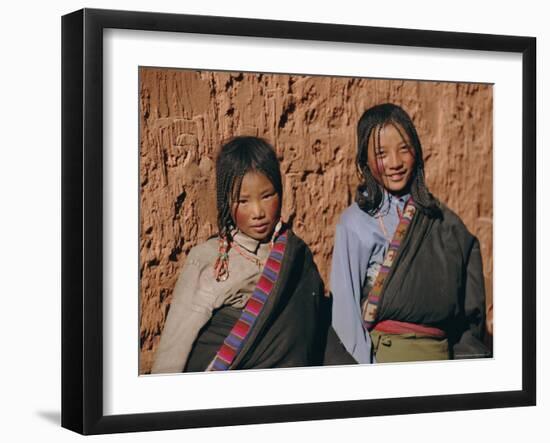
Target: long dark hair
[
  {"x": 237, "y": 157},
  {"x": 370, "y": 194}
]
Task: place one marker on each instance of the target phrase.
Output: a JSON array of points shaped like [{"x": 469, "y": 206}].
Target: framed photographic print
[{"x": 258, "y": 216}]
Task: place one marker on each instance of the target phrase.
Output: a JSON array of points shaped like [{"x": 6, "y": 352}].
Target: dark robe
[
  {"x": 293, "y": 328},
  {"x": 437, "y": 280}
]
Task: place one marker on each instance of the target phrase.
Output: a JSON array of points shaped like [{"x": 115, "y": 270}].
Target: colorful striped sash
[
  {"x": 370, "y": 310},
  {"x": 236, "y": 339}
]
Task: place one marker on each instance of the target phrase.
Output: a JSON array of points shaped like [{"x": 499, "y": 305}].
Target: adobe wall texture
[{"x": 311, "y": 120}]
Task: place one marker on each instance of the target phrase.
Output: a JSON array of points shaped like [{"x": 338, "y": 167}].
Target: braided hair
[
  {"x": 370, "y": 193},
  {"x": 237, "y": 157}
]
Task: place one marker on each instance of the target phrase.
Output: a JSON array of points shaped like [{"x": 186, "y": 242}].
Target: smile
[{"x": 397, "y": 177}]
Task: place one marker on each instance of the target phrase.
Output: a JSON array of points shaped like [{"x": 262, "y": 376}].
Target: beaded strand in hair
[{"x": 221, "y": 266}]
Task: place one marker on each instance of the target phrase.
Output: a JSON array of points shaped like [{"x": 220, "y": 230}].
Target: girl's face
[
  {"x": 392, "y": 160},
  {"x": 256, "y": 211}
]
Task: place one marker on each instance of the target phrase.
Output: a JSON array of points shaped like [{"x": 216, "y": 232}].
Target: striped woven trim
[
  {"x": 234, "y": 342},
  {"x": 370, "y": 311}
]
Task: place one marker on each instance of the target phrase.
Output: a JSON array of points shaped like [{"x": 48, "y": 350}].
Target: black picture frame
[{"x": 82, "y": 220}]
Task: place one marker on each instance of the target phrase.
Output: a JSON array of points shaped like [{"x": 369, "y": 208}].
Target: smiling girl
[
  {"x": 406, "y": 277},
  {"x": 252, "y": 296}
]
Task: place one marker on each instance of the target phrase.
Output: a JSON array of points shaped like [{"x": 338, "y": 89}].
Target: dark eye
[
  {"x": 380, "y": 154},
  {"x": 271, "y": 194},
  {"x": 242, "y": 201}
]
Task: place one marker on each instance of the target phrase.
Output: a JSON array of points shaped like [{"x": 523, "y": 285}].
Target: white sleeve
[{"x": 190, "y": 310}]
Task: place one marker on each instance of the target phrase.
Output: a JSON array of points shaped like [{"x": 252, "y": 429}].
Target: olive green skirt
[{"x": 408, "y": 347}]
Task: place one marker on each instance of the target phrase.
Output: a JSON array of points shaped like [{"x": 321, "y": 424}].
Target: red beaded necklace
[
  {"x": 247, "y": 254},
  {"x": 221, "y": 266}
]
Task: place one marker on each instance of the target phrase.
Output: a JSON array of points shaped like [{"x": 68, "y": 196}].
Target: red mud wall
[{"x": 311, "y": 120}]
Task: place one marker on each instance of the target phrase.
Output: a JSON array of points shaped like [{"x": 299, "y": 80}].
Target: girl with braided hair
[
  {"x": 406, "y": 277},
  {"x": 252, "y": 296}
]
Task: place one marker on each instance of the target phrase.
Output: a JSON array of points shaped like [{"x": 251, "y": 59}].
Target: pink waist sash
[{"x": 400, "y": 327}]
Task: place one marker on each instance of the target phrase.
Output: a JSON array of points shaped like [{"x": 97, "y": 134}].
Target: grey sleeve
[{"x": 191, "y": 308}]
